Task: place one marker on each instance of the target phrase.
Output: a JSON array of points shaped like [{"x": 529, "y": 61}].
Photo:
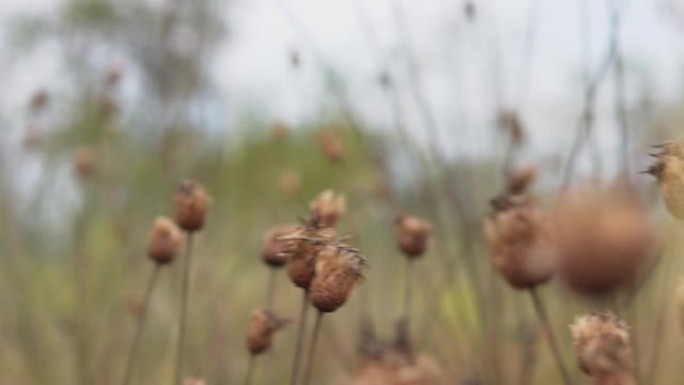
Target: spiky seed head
[
  {"x": 273, "y": 249},
  {"x": 521, "y": 242},
  {"x": 301, "y": 249},
  {"x": 331, "y": 145},
  {"x": 413, "y": 235},
  {"x": 328, "y": 208},
  {"x": 165, "y": 241},
  {"x": 668, "y": 169},
  {"x": 521, "y": 179},
  {"x": 191, "y": 205},
  {"x": 605, "y": 237},
  {"x": 338, "y": 268},
  {"x": 85, "y": 162},
  {"x": 262, "y": 327},
  {"x": 602, "y": 344}
]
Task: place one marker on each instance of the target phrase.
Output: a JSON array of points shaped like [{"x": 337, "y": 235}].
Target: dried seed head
[
  {"x": 39, "y": 100},
  {"x": 602, "y": 344},
  {"x": 510, "y": 121},
  {"x": 108, "y": 106},
  {"x": 262, "y": 327},
  {"x": 604, "y": 236},
  {"x": 165, "y": 241},
  {"x": 85, "y": 162},
  {"x": 521, "y": 179},
  {"x": 290, "y": 182},
  {"x": 273, "y": 249},
  {"x": 328, "y": 208},
  {"x": 669, "y": 171},
  {"x": 191, "y": 205},
  {"x": 301, "y": 249},
  {"x": 331, "y": 145},
  {"x": 338, "y": 268},
  {"x": 413, "y": 235},
  {"x": 470, "y": 10},
  {"x": 521, "y": 242}
]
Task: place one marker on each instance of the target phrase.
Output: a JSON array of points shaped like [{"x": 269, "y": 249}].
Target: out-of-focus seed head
[
  {"x": 521, "y": 179},
  {"x": 668, "y": 169},
  {"x": 605, "y": 237},
  {"x": 413, "y": 235},
  {"x": 33, "y": 139},
  {"x": 165, "y": 241},
  {"x": 280, "y": 130},
  {"x": 470, "y": 10},
  {"x": 338, "y": 268},
  {"x": 115, "y": 73},
  {"x": 295, "y": 59},
  {"x": 85, "y": 163},
  {"x": 302, "y": 247},
  {"x": 521, "y": 242},
  {"x": 273, "y": 249},
  {"x": 290, "y": 182},
  {"x": 109, "y": 106},
  {"x": 331, "y": 145},
  {"x": 191, "y": 205},
  {"x": 328, "y": 208},
  {"x": 510, "y": 121},
  {"x": 39, "y": 101},
  {"x": 263, "y": 325},
  {"x": 602, "y": 344}
]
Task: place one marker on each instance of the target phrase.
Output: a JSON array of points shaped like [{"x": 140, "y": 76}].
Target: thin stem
[
  {"x": 270, "y": 290},
  {"x": 250, "y": 369},
  {"x": 407, "y": 291},
  {"x": 546, "y": 325},
  {"x": 141, "y": 325},
  {"x": 300, "y": 338},
  {"x": 183, "y": 311},
  {"x": 312, "y": 347}
]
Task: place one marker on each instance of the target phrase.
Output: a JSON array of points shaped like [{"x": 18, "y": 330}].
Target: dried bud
[
  {"x": 302, "y": 247},
  {"x": 262, "y": 327},
  {"x": 602, "y": 344},
  {"x": 605, "y": 236},
  {"x": 328, "y": 207},
  {"x": 669, "y": 171},
  {"x": 413, "y": 235},
  {"x": 191, "y": 205},
  {"x": 331, "y": 145},
  {"x": 520, "y": 180},
  {"x": 85, "y": 162},
  {"x": 290, "y": 182},
  {"x": 165, "y": 240},
  {"x": 338, "y": 268},
  {"x": 273, "y": 248},
  {"x": 521, "y": 243}
]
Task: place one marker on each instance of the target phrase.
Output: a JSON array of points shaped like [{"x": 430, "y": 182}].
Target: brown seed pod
[
  {"x": 191, "y": 205},
  {"x": 604, "y": 237},
  {"x": 521, "y": 179},
  {"x": 413, "y": 235},
  {"x": 262, "y": 327},
  {"x": 328, "y": 208},
  {"x": 85, "y": 162},
  {"x": 165, "y": 241},
  {"x": 302, "y": 247},
  {"x": 272, "y": 248},
  {"x": 602, "y": 344},
  {"x": 521, "y": 242},
  {"x": 338, "y": 268},
  {"x": 669, "y": 171},
  {"x": 331, "y": 145}
]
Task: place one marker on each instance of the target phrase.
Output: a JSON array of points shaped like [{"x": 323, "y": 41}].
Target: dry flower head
[
  {"x": 668, "y": 169},
  {"x": 331, "y": 145},
  {"x": 263, "y": 325},
  {"x": 302, "y": 247},
  {"x": 602, "y": 344},
  {"x": 85, "y": 162},
  {"x": 191, "y": 205},
  {"x": 273, "y": 248},
  {"x": 413, "y": 235},
  {"x": 521, "y": 179},
  {"x": 338, "y": 268},
  {"x": 165, "y": 241},
  {"x": 328, "y": 207}
]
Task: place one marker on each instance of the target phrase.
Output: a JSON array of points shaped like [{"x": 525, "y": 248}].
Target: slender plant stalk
[
  {"x": 183, "y": 312},
  {"x": 546, "y": 325},
  {"x": 132, "y": 354},
  {"x": 270, "y": 291},
  {"x": 301, "y": 329},
  {"x": 312, "y": 347},
  {"x": 250, "y": 369},
  {"x": 406, "y": 313}
]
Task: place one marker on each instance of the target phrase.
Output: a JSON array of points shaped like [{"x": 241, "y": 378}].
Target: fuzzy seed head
[
  {"x": 273, "y": 249},
  {"x": 413, "y": 235},
  {"x": 263, "y": 325},
  {"x": 328, "y": 208},
  {"x": 605, "y": 236},
  {"x": 331, "y": 145},
  {"x": 602, "y": 344},
  {"x": 85, "y": 163},
  {"x": 668, "y": 169},
  {"x": 302, "y": 247},
  {"x": 165, "y": 241},
  {"x": 338, "y": 268},
  {"x": 521, "y": 179},
  {"x": 191, "y": 205}
]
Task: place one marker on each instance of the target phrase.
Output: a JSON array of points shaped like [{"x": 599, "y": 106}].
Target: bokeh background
[{"x": 405, "y": 106}]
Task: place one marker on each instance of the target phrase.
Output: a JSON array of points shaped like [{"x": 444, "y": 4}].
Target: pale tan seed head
[
  {"x": 328, "y": 207},
  {"x": 165, "y": 241},
  {"x": 192, "y": 202},
  {"x": 602, "y": 344},
  {"x": 413, "y": 235}
]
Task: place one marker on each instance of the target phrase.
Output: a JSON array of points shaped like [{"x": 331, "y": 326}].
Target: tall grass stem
[
  {"x": 301, "y": 329},
  {"x": 312, "y": 347},
  {"x": 183, "y": 312},
  {"x": 550, "y": 336}
]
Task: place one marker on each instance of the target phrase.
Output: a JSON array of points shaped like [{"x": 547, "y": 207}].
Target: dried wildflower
[
  {"x": 521, "y": 242},
  {"x": 262, "y": 327},
  {"x": 290, "y": 182},
  {"x": 338, "y": 268},
  {"x": 85, "y": 162},
  {"x": 331, "y": 145},
  {"x": 602, "y": 344},
  {"x": 191, "y": 205},
  {"x": 273, "y": 248},
  {"x": 605, "y": 236},
  {"x": 669, "y": 171},
  {"x": 520, "y": 180},
  {"x": 413, "y": 235},
  {"x": 165, "y": 240},
  {"x": 328, "y": 207},
  {"x": 301, "y": 249}
]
